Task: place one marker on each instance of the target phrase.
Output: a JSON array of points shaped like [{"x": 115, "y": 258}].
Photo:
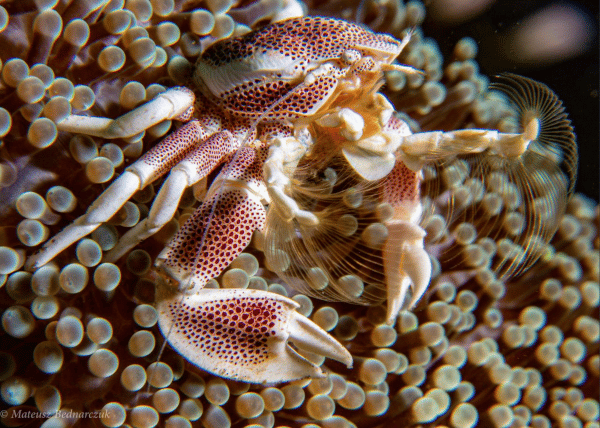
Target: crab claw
[
  {"x": 406, "y": 264},
  {"x": 242, "y": 334}
]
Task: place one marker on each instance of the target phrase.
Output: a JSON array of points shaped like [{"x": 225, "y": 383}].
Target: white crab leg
[
  {"x": 242, "y": 334},
  {"x": 219, "y": 230},
  {"x": 174, "y": 103},
  {"x": 198, "y": 163},
  {"x": 437, "y": 144},
  {"x": 351, "y": 123},
  {"x": 152, "y": 165}
]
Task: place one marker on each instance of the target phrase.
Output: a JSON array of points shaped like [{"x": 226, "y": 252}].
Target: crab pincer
[{"x": 243, "y": 334}]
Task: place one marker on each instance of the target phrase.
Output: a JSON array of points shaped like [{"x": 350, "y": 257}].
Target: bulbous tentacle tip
[{"x": 243, "y": 334}]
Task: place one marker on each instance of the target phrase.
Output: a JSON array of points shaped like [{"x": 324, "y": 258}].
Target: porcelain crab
[{"x": 254, "y": 107}]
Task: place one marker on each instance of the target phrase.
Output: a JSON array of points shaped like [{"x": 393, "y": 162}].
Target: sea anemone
[{"x": 80, "y": 342}]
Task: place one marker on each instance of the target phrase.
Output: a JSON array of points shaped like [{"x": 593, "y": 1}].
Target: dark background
[{"x": 575, "y": 81}]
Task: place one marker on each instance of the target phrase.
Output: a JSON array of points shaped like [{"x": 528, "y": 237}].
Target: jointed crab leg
[
  {"x": 197, "y": 164},
  {"x": 175, "y": 103},
  {"x": 152, "y": 165},
  {"x": 437, "y": 144},
  {"x": 222, "y": 226}
]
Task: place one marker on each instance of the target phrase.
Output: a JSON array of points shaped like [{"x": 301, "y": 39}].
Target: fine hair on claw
[{"x": 517, "y": 201}]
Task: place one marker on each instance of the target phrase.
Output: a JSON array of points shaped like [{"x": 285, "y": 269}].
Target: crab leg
[
  {"x": 175, "y": 103},
  {"x": 152, "y": 165},
  {"x": 219, "y": 230},
  {"x": 242, "y": 334},
  {"x": 437, "y": 144},
  {"x": 405, "y": 261},
  {"x": 198, "y": 163}
]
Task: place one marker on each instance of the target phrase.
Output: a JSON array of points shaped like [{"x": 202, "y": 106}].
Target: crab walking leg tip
[
  {"x": 61, "y": 241},
  {"x": 309, "y": 336},
  {"x": 101, "y": 210}
]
